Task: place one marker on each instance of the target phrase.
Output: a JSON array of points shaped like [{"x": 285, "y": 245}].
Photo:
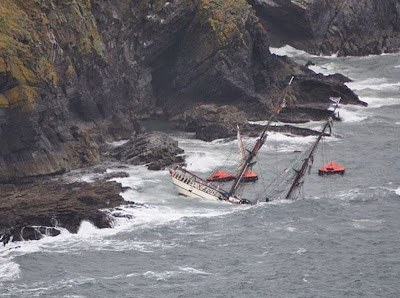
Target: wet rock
[
  {"x": 156, "y": 150},
  {"x": 78, "y": 82},
  {"x": 37, "y": 233},
  {"x": 31, "y": 210},
  {"x": 255, "y": 130},
  {"x": 333, "y": 27},
  {"x": 113, "y": 175},
  {"x": 211, "y": 122}
]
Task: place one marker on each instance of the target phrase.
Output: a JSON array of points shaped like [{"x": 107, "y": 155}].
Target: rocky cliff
[
  {"x": 75, "y": 73},
  {"x": 342, "y": 27}
]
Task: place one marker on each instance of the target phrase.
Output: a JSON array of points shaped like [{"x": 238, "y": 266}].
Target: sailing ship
[{"x": 283, "y": 187}]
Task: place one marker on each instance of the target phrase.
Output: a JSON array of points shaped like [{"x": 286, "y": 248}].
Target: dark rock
[
  {"x": 309, "y": 63},
  {"x": 78, "y": 82},
  {"x": 30, "y": 233},
  {"x": 49, "y": 231},
  {"x": 333, "y": 27},
  {"x": 5, "y": 238},
  {"x": 211, "y": 122},
  {"x": 113, "y": 175},
  {"x": 156, "y": 150},
  {"x": 34, "y": 209},
  {"x": 254, "y": 130}
]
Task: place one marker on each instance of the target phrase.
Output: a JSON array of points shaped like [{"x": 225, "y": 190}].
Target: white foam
[
  {"x": 9, "y": 270},
  {"x": 117, "y": 143},
  {"x": 397, "y": 191},
  {"x": 325, "y": 69},
  {"x": 160, "y": 276},
  {"x": 373, "y": 84},
  {"x": 290, "y": 51},
  {"x": 378, "y": 102},
  {"x": 301, "y": 250},
  {"x": 193, "y": 271},
  {"x": 87, "y": 229},
  {"x": 203, "y": 156},
  {"x": 291, "y": 229},
  {"x": 352, "y": 114}
]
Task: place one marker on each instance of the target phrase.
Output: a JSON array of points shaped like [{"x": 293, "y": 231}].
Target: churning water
[{"x": 342, "y": 239}]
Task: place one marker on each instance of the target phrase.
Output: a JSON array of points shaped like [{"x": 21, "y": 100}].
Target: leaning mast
[
  {"x": 260, "y": 142},
  {"x": 300, "y": 173}
]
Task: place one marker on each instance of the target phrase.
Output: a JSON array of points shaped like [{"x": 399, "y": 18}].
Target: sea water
[{"x": 341, "y": 239}]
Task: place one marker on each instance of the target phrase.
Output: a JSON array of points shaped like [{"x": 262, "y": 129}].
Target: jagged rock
[
  {"x": 211, "y": 122},
  {"x": 342, "y": 27},
  {"x": 37, "y": 233},
  {"x": 31, "y": 210},
  {"x": 156, "y": 150},
  {"x": 110, "y": 176},
  {"x": 84, "y": 72}
]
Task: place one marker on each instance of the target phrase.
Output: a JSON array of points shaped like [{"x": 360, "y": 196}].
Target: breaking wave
[{"x": 379, "y": 84}]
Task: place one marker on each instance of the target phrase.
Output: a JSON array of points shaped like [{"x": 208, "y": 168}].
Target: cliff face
[
  {"x": 78, "y": 72},
  {"x": 343, "y": 27}
]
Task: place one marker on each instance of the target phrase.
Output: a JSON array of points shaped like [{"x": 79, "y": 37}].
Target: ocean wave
[
  {"x": 290, "y": 51},
  {"x": 325, "y": 69},
  {"x": 159, "y": 276},
  {"x": 9, "y": 270},
  {"x": 377, "y": 84},
  {"x": 352, "y": 114},
  {"x": 378, "y": 102},
  {"x": 397, "y": 191},
  {"x": 193, "y": 271}
]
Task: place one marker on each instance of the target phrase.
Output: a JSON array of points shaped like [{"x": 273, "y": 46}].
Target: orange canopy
[
  {"x": 249, "y": 174},
  {"x": 219, "y": 175},
  {"x": 331, "y": 167}
]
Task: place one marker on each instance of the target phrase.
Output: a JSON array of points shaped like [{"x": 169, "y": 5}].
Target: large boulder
[
  {"x": 210, "y": 122},
  {"x": 155, "y": 150}
]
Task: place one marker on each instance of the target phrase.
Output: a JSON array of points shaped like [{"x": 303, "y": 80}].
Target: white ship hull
[{"x": 190, "y": 185}]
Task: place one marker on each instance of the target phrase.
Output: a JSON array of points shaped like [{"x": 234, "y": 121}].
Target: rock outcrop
[
  {"x": 155, "y": 150},
  {"x": 33, "y": 209},
  {"x": 342, "y": 27},
  {"x": 76, "y": 73}
]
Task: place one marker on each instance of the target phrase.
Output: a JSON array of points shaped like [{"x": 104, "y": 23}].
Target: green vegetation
[{"x": 226, "y": 18}]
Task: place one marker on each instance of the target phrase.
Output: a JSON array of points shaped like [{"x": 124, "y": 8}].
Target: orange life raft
[
  {"x": 331, "y": 168},
  {"x": 221, "y": 176}
]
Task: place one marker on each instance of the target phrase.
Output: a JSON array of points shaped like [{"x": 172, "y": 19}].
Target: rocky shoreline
[
  {"x": 76, "y": 75},
  {"x": 332, "y": 27},
  {"x": 33, "y": 208},
  {"x": 70, "y": 83},
  {"x": 40, "y": 207}
]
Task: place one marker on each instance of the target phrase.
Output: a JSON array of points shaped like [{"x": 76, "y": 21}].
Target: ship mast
[
  {"x": 259, "y": 143},
  {"x": 300, "y": 173}
]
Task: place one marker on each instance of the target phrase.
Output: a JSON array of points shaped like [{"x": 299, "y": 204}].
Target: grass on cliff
[{"x": 226, "y": 17}]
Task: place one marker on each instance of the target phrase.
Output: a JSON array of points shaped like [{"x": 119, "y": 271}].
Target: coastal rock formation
[
  {"x": 33, "y": 209},
  {"x": 211, "y": 122},
  {"x": 155, "y": 150},
  {"x": 76, "y": 73},
  {"x": 342, "y": 27}
]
